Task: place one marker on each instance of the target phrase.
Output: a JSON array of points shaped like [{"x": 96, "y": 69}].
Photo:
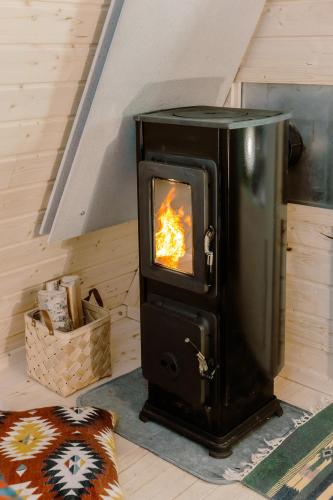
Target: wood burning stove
[{"x": 212, "y": 230}]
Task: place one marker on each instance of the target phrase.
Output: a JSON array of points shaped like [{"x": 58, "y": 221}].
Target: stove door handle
[
  {"x": 203, "y": 365},
  {"x": 209, "y": 236}
]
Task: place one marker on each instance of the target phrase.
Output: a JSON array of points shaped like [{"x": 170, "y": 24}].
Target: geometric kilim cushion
[
  {"x": 5, "y": 491},
  {"x": 59, "y": 453}
]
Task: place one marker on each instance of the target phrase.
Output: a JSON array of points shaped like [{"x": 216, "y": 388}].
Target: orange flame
[{"x": 170, "y": 238}]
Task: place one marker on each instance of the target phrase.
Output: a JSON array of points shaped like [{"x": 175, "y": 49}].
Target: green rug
[{"x": 302, "y": 466}]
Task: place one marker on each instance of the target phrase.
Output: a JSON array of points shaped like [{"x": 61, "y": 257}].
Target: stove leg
[
  {"x": 224, "y": 453},
  {"x": 143, "y": 417},
  {"x": 279, "y": 411}
]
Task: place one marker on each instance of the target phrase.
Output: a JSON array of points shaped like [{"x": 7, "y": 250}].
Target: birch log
[{"x": 55, "y": 303}]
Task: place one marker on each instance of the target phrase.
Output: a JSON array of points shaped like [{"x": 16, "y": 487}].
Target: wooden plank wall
[
  {"x": 46, "y": 47},
  {"x": 293, "y": 43},
  {"x": 309, "y": 318}
]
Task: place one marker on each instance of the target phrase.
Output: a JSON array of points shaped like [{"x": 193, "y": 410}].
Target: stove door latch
[
  {"x": 204, "y": 370},
  {"x": 209, "y": 236}
]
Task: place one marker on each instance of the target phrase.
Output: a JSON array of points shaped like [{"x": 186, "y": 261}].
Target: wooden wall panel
[
  {"x": 59, "y": 23},
  {"x": 309, "y": 304},
  {"x": 21, "y": 170},
  {"x": 293, "y": 18},
  {"x": 19, "y": 201},
  {"x": 42, "y": 100},
  {"x": 44, "y": 63},
  {"x": 19, "y": 229},
  {"x": 289, "y": 60},
  {"x": 46, "y": 47},
  {"x": 293, "y": 43},
  {"x": 96, "y": 249},
  {"x": 29, "y": 136},
  {"x": 319, "y": 236},
  {"x": 310, "y": 298},
  {"x": 310, "y": 263}
]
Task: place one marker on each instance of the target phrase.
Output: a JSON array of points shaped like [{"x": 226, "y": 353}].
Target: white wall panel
[{"x": 163, "y": 54}]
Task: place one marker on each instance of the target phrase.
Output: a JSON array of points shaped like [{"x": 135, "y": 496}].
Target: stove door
[
  {"x": 169, "y": 355},
  {"x": 173, "y": 221}
]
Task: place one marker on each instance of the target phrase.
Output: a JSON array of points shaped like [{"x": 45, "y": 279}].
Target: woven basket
[{"x": 66, "y": 362}]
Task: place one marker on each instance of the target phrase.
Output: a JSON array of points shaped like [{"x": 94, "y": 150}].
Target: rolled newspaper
[
  {"x": 72, "y": 285},
  {"x": 55, "y": 303}
]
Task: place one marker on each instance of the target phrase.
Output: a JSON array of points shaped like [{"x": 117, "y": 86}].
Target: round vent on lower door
[{"x": 169, "y": 365}]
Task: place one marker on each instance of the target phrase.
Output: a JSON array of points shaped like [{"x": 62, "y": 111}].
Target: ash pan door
[{"x": 171, "y": 343}]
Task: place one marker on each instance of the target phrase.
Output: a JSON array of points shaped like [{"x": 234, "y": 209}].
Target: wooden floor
[{"x": 143, "y": 475}]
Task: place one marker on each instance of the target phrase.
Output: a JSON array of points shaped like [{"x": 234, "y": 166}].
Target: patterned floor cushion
[
  {"x": 6, "y": 493},
  {"x": 59, "y": 453}
]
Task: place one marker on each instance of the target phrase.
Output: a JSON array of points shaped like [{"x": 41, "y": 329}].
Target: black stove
[{"x": 212, "y": 238}]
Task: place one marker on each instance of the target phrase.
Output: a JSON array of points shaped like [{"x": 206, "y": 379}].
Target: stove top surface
[{"x": 217, "y": 117}]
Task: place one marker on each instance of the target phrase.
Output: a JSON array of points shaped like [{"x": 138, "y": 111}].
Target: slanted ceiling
[{"x": 152, "y": 54}]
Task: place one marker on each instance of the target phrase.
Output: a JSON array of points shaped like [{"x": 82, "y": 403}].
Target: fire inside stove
[{"x": 173, "y": 241}]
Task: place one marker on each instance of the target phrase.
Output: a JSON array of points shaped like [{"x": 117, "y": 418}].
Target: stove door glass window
[{"x": 172, "y": 225}]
